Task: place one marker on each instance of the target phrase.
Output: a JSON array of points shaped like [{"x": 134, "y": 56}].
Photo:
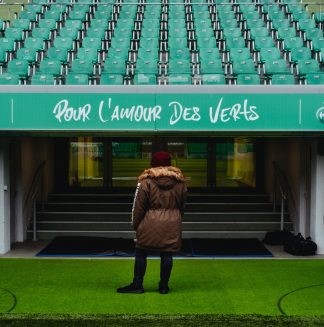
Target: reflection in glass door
[
  {"x": 236, "y": 163},
  {"x": 191, "y": 158},
  {"x": 86, "y": 162},
  {"x": 129, "y": 159}
]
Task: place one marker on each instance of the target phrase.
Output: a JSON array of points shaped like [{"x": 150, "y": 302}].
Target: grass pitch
[{"x": 225, "y": 287}]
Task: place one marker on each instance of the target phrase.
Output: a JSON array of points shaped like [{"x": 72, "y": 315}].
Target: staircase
[{"x": 206, "y": 216}]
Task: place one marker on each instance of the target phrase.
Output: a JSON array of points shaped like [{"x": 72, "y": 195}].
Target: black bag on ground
[
  {"x": 278, "y": 237},
  {"x": 298, "y": 245}
]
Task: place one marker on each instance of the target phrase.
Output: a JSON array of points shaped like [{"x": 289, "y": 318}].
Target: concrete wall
[
  {"x": 33, "y": 151},
  {"x": 4, "y": 197},
  {"x": 291, "y": 156}
]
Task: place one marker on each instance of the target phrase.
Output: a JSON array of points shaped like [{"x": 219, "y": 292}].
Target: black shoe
[
  {"x": 163, "y": 288},
  {"x": 131, "y": 288}
]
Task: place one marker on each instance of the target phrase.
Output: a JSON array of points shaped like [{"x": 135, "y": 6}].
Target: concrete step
[
  {"x": 129, "y": 197},
  {"x": 50, "y": 234},
  {"x": 188, "y": 216},
  {"x": 124, "y": 207},
  {"x": 186, "y": 226}
]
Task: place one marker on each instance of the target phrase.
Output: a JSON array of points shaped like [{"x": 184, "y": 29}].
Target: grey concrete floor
[{"x": 29, "y": 249}]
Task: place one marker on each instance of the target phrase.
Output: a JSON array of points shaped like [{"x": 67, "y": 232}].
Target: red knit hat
[{"x": 161, "y": 158}]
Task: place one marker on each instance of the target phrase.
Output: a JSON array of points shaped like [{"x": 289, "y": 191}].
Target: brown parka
[{"x": 158, "y": 209}]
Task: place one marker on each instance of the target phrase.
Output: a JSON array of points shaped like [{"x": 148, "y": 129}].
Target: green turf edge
[{"x": 158, "y": 320}]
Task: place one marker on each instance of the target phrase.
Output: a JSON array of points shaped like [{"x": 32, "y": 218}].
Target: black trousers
[{"x": 141, "y": 261}]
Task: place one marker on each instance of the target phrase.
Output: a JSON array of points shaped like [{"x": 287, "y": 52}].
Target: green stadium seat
[
  {"x": 208, "y": 54},
  {"x": 211, "y": 67},
  {"x": 269, "y": 54},
  {"x": 18, "y": 67},
  {"x": 22, "y": 23},
  {"x": 78, "y": 15},
  {"x": 120, "y": 42},
  {"x": 179, "y": 79},
  {"x": 9, "y": 79},
  {"x": 27, "y": 54},
  {"x": 73, "y": 23},
  {"x": 314, "y": 79},
  {"x": 248, "y": 79},
  {"x": 235, "y": 42},
  {"x": 239, "y": 54},
  {"x": 178, "y": 42},
  {"x": 14, "y": 33},
  {"x": 147, "y": 54},
  {"x": 280, "y": 23},
  {"x": 312, "y": 33},
  {"x": 148, "y": 42},
  {"x": 179, "y": 54},
  {"x": 309, "y": 66},
  {"x": 82, "y": 66},
  {"x": 43, "y": 79},
  {"x": 77, "y": 79},
  {"x": 292, "y": 43},
  {"x": 146, "y": 66},
  {"x": 179, "y": 67},
  {"x": 317, "y": 44},
  {"x": 99, "y": 22},
  {"x": 243, "y": 67},
  {"x": 263, "y": 42},
  {"x": 7, "y": 44},
  {"x": 300, "y": 54},
  {"x": 51, "y": 66},
  {"x": 213, "y": 79},
  {"x": 88, "y": 54},
  {"x": 228, "y": 23},
  {"x": 283, "y": 79},
  {"x": 41, "y": 32},
  {"x": 64, "y": 42},
  {"x": 116, "y": 66},
  {"x": 71, "y": 32},
  {"x": 144, "y": 79},
  {"x": 250, "y": 23},
  {"x": 97, "y": 32},
  {"x": 258, "y": 32},
  {"x": 60, "y": 54},
  {"x": 181, "y": 32},
  {"x": 299, "y": 15},
  {"x": 150, "y": 32},
  {"x": 306, "y": 24},
  {"x": 53, "y": 15},
  {"x": 231, "y": 32},
  {"x": 278, "y": 66},
  {"x": 206, "y": 42},
  {"x": 47, "y": 23},
  {"x": 285, "y": 32},
  {"x": 34, "y": 43},
  {"x": 319, "y": 18},
  {"x": 111, "y": 79},
  {"x": 118, "y": 53}
]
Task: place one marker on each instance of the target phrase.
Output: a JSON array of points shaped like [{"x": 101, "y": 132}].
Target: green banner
[{"x": 161, "y": 112}]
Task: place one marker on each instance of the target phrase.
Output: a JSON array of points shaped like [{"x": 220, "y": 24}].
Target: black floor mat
[{"x": 75, "y": 246}]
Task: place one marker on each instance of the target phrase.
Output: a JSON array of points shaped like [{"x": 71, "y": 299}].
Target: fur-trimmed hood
[{"x": 164, "y": 177}]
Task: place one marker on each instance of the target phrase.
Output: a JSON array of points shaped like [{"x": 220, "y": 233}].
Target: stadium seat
[
  {"x": 309, "y": 66},
  {"x": 19, "y": 67},
  {"x": 77, "y": 79},
  {"x": 144, "y": 79},
  {"x": 177, "y": 79},
  {"x": 283, "y": 79},
  {"x": 111, "y": 79},
  {"x": 248, "y": 79},
  {"x": 51, "y": 66},
  {"x": 9, "y": 79},
  {"x": 298, "y": 54},
  {"x": 314, "y": 79},
  {"x": 213, "y": 79},
  {"x": 278, "y": 66},
  {"x": 42, "y": 79}
]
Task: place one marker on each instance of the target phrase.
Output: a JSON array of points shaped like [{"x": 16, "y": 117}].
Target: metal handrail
[
  {"x": 281, "y": 182},
  {"x": 36, "y": 189}
]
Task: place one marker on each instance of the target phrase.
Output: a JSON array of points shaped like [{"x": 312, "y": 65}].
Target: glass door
[
  {"x": 129, "y": 160},
  {"x": 86, "y": 163},
  {"x": 236, "y": 163},
  {"x": 191, "y": 158}
]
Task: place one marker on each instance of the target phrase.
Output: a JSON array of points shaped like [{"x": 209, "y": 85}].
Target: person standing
[{"x": 157, "y": 214}]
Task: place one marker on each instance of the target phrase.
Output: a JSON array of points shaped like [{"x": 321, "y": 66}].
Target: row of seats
[{"x": 135, "y": 44}]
